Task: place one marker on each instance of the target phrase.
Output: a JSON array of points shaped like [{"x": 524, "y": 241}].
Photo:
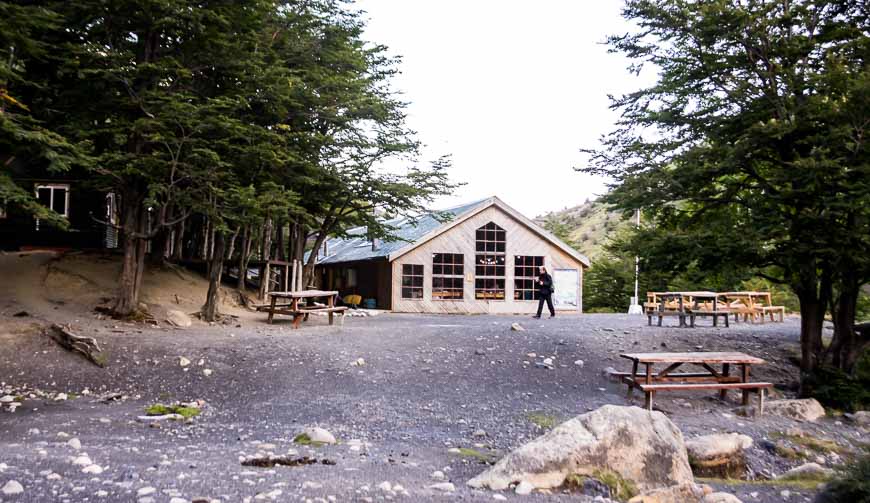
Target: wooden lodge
[{"x": 483, "y": 259}]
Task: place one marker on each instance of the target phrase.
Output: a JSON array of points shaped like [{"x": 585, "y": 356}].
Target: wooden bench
[
  {"x": 763, "y": 311},
  {"x": 721, "y": 312},
  {"x": 746, "y": 387}
]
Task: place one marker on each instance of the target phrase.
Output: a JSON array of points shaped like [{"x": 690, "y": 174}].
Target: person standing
[{"x": 545, "y": 292}]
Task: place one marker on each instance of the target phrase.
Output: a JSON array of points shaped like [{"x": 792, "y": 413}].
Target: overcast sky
[{"x": 511, "y": 89}]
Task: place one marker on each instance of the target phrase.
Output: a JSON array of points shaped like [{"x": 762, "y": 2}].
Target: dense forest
[{"x": 252, "y": 128}]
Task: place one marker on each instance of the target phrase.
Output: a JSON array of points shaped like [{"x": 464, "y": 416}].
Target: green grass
[
  {"x": 819, "y": 445},
  {"x": 304, "y": 439},
  {"x": 620, "y": 488},
  {"x": 158, "y": 409},
  {"x": 483, "y": 457},
  {"x": 542, "y": 420}
]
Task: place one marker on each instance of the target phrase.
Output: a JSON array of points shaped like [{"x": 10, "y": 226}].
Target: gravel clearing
[{"x": 416, "y": 403}]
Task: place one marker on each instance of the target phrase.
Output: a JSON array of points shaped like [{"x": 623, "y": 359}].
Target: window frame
[
  {"x": 412, "y": 287},
  {"x": 52, "y": 187},
  {"x": 523, "y": 277},
  {"x": 453, "y": 277},
  {"x": 490, "y": 244}
]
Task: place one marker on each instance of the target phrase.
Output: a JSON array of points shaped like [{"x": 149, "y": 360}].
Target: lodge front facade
[{"x": 483, "y": 260}]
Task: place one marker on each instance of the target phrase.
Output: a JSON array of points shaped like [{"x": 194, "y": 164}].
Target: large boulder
[
  {"x": 718, "y": 455},
  {"x": 178, "y": 318},
  {"x": 642, "y": 447},
  {"x": 806, "y": 409}
]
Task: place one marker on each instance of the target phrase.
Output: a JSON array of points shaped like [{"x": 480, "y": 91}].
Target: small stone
[
  {"x": 93, "y": 469},
  {"x": 145, "y": 491},
  {"x": 319, "y": 435},
  {"x": 516, "y": 327},
  {"x": 12, "y": 488},
  {"x": 83, "y": 460},
  {"x": 207, "y": 372},
  {"x": 499, "y": 497},
  {"x": 579, "y": 363},
  {"x": 445, "y": 487},
  {"x": 438, "y": 475},
  {"x": 311, "y": 485},
  {"x": 785, "y": 493},
  {"x": 178, "y": 500},
  {"x": 7, "y": 399},
  {"x": 74, "y": 443},
  {"x": 184, "y": 362},
  {"x": 61, "y": 397},
  {"x": 385, "y": 486},
  {"x": 524, "y": 488},
  {"x": 479, "y": 433}
]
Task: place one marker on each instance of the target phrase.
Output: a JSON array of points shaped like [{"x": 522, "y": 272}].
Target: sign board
[{"x": 567, "y": 289}]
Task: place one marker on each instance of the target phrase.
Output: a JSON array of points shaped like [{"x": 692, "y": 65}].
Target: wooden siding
[{"x": 461, "y": 239}]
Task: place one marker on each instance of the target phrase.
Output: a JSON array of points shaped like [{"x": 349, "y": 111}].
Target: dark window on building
[
  {"x": 412, "y": 281},
  {"x": 489, "y": 263},
  {"x": 447, "y": 276},
  {"x": 55, "y": 197},
  {"x": 526, "y": 277}
]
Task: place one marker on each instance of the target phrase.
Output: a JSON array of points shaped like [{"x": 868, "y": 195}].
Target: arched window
[{"x": 489, "y": 263}]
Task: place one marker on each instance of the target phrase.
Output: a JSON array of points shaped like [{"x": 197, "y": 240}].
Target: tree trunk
[
  {"x": 279, "y": 240},
  {"x": 845, "y": 346},
  {"x": 215, "y": 271},
  {"x": 266, "y": 256},
  {"x": 178, "y": 246},
  {"x": 813, "y": 294},
  {"x": 133, "y": 264},
  {"x": 244, "y": 256}
]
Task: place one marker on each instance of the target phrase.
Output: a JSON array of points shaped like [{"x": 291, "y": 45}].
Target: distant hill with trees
[{"x": 586, "y": 227}]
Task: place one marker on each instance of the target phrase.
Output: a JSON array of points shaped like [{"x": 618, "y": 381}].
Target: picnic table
[
  {"x": 687, "y": 305},
  {"x": 712, "y": 378},
  {"x": 753, "y": 305},
  {"x": 289, "y": 303}
]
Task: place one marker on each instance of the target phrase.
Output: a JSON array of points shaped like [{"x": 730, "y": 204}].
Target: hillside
[{"x": 586, "y": 227}]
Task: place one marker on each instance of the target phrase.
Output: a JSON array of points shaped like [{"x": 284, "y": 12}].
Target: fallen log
[{"x": 86, "y": 346}]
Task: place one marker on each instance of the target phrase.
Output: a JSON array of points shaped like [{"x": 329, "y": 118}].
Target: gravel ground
[{"x": 428, "y": 384}]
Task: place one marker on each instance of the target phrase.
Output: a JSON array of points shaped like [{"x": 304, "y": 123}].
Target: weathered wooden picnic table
[
  {"x": 753, "y": 305},
  {"x": 687, "y": 305},
  {"x": 666, "y": 380},
  {"x": 288, "y": 303}
]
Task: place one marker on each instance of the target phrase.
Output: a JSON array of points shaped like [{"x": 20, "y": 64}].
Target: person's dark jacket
[{"x": 545, "y": 287}]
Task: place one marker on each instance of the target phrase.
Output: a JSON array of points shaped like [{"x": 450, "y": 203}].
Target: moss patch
[
  {"x": 542, "y": 420},
  {"x": 486, "y": 458},
  {"x": 620, "y": 488},
  {"x": 304, "y": 439},
  {"x": 818, "y": 445},
  {"x": 158, "y": 409}
]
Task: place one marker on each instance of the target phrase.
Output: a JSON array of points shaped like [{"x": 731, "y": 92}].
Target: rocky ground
[{"x": 401, "y": 394}]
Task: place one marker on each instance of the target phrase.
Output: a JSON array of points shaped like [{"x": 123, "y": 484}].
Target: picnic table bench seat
[
  {"x": 667, "y": 379},
  {"x": 759, "y": 387}
]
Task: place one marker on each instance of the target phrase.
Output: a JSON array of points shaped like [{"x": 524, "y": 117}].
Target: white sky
[{"x": 511, "y": 89}]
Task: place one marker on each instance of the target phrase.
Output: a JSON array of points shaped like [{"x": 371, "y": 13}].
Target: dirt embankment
[{"x": 52, "y": 287}]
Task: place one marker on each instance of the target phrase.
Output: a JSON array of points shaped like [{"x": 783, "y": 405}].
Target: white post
[
  {"x": 293, "y": 282},
  {"x": 635, "y": 307}
]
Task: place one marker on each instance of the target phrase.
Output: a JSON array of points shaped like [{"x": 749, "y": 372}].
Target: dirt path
[{"x": 429, "y": 383}]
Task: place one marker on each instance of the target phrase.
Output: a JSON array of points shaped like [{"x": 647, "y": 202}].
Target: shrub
[{"x": 852, "y": 485}]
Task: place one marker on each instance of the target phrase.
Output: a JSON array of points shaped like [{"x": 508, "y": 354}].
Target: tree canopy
[{"x": 750, "y": 151}]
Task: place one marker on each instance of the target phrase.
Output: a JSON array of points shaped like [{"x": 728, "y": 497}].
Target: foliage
[
  {"x": 838, "y": 389},
  {"x": 159, "y": 409},
  {"x": 852, "y": 484},
  {"x": 542, "y": 420},
  {"x": 24, "y": 138},
  {"x": 747, "y": 154}
]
